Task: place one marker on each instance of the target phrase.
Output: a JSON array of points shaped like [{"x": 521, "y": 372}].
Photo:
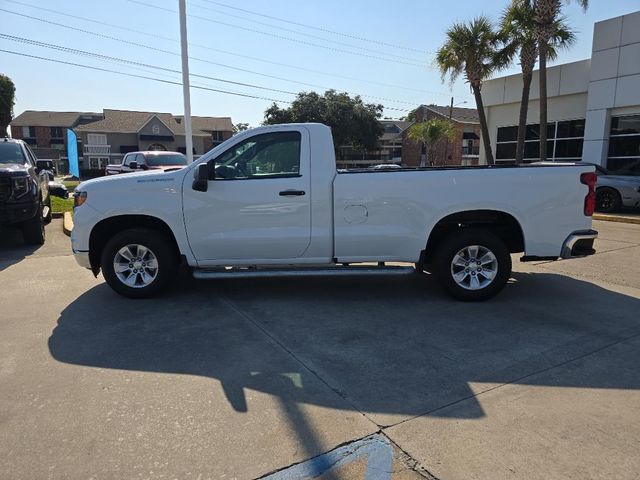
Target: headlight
[
  {"x": 21, "y": 186},
  {"x": 79, "y": 198}
]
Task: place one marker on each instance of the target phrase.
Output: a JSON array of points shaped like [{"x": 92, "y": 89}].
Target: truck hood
[
  {"x": 131, "y": 181},
  {"x": 11, "y": 168}
]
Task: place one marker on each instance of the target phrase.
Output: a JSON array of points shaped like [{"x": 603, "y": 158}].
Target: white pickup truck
[{"x": 272, "y": 198}]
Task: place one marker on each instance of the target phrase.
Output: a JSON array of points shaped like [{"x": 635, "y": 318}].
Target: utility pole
[
  {"x": 446, "y": 148},
  {"x": 188, "y": 134}
]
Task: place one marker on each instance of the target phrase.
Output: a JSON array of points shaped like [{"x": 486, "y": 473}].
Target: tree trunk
[
  {"x": 484, "y": 128},
  {"x": 543, "y": 99},
  {"x": 522, "y": 120}
]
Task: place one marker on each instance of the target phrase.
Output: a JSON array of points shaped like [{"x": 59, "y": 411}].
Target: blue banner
[{"x": 72, "y": 153}]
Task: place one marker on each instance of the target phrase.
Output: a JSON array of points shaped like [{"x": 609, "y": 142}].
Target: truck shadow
[
  {"x": 13, "y": 248},
  {"x": 384, "y": 345}
]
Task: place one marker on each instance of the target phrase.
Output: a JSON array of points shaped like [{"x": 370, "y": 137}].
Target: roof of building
[
  {"x": 128, "y": 121},
  {"x": 210, "y": 124},
  {"x": 393, "y": 129},
  {"x": 33, "y": 118},
  {"x": 462, "y": 115}
]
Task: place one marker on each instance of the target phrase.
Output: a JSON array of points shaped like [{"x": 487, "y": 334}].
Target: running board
[{"x": 236, "y": 272}]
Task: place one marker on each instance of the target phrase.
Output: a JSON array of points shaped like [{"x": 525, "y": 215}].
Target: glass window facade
[
  {"x": 564, "y": 142},
  {"x": 624, "y": 145}
]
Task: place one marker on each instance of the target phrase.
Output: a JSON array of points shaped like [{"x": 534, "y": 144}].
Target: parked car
[
  {"x": 272, "y": 196},
  {"x": 385, "y": 166},
  {"x": 153, "y": 160},
  {"x": 24, "y": 191},
  {"x": 615, "y": 191}
]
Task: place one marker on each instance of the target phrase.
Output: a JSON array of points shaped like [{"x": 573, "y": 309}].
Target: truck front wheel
[
  {"x": 139, "y": 263},
  {"x": 472, "y": 264},
  {"x": 33, "y": 229}
]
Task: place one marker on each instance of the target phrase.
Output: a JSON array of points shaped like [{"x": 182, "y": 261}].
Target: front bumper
[
  {"x": 579, "y": 244},
  {"x": 82, "y": 258},
  {"x": 18, "y": 212}
]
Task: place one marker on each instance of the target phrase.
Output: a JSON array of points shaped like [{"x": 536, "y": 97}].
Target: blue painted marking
[{"x": 376, "y": 448}]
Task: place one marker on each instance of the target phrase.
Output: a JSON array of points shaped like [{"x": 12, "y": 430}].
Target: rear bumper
[{"x": 579, "y": 244}]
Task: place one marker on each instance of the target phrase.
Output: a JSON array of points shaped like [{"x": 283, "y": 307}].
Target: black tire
[
  {"x": 33, "y": 229},
  {"x": 49, "y": 217},
  {"x": 608, "y": 200},
  {"x": 456, "y": 242},
  {"x": 161, "y": 247}
]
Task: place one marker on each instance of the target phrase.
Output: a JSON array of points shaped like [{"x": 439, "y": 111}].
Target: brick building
[
  {"x": 105, "y": 137},
  {"x": 462, "y": 150}
]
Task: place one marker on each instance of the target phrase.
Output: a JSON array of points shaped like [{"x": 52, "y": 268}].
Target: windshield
[
  {"x": 163, "y": 160},
  {"x": 11, "y": 153}
]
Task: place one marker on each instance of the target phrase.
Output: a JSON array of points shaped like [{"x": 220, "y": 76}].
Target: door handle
[{"x": 292, "y": 193}]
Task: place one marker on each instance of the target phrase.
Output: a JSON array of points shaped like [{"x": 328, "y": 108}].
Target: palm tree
[
  {"x": 519, "y": 35},
  {"x": 472, "y": 49},
  {"x": 430, "y": 134},
  {"x": 547, "y": 13}
]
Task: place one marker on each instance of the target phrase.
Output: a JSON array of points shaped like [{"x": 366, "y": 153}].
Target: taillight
[{"x": 589, "y": 179}]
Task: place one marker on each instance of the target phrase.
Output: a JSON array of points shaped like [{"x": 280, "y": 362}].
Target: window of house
[
  {"x": 28, "y": 132},
  {"x": 98, "y": 163},
  {"x": 217, "y": 136},
  {"x": 564, "y": 142},
  {"x": 270, "y": 155},
  {"x": 624, "y": 144},
  {"x": 56, "y": 132},
  {"x": 96, "y": 139}
]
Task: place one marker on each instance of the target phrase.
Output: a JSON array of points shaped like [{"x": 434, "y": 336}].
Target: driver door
[{"x": 257, "y": 207}]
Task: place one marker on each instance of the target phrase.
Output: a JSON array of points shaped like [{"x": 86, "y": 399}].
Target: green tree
[
  {"x": 240, "y": 127},
  {"x": 547, "y": 14},
  {"x": 519, "y": 34},
  {"x": 473, "y": 50},
  {"x": 353, "y": 122},
  {"x": 410, "y": 117},
  {"x": 7, "y": 101},
  {"x": 432, "y": 134}
]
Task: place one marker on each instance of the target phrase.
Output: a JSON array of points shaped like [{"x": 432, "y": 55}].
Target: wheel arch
[
  {"x": 105, "y": 229},
  {"x": 502, "y": 224}
]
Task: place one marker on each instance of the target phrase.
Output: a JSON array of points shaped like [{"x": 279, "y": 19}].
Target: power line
[
  {"x": 206, "y": 47},
  {"x": 98, "y": 56},
  {"x": 144, "y": 77},
  {"x": 297, "y": 32},
  {"x": 321, "y": 29},
  {"x": 169, "y": 52},
  {"x": 282, "y": 37}
]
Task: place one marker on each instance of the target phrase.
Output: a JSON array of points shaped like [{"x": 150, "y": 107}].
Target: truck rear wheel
[
  {"x": 33, "y": 229},
  {"x": 472, "y": 264},
  {"x": 139, "y": 263}
]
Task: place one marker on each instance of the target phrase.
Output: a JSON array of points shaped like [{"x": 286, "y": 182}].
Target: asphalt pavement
[{"x": 338, "y": 377}]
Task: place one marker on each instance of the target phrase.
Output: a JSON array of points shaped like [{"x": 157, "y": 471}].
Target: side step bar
[{"x": 236, "y": 272}]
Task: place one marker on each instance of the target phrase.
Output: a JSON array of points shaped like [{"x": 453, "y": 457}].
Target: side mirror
[
  {"x": 44, "y": 165},
  {"x": 133, "y": 165},
  {"x": 201, "y": 178}
]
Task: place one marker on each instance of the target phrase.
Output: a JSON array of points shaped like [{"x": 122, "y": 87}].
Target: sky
[{"x": 381, "y": 50}]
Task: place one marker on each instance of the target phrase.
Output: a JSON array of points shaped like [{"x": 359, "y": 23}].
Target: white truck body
[{"x": 340, "y": 217}]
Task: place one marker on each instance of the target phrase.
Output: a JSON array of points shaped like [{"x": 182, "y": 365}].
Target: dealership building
[{"x": 593, "y": 105}]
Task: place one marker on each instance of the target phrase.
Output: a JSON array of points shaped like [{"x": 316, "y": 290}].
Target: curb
[
  {"x": 616, "y": 218},
  {"x": 57, "y": 214},
  {"x": 67, "y": 224}
]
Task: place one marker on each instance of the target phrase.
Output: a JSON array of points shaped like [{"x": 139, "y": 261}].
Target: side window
[
  {"x": 140, "y": 159},
  {"x": 126, "y": 160},
  {"x": 269, "y": 155},
  {"x": 30, "y": 156}
]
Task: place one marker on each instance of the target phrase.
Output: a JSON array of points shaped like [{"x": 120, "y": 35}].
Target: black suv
[{"x": 24, "y": 191}]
